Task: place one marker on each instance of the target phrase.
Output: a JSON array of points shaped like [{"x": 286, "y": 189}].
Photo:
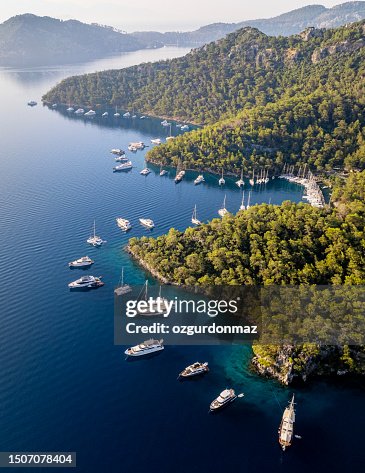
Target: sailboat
[
  {"x": 223, "y": 211},
  {"x": 122, "y": 288},
  {"x": 240, "y": 182},
  {"x": 248, "y": 201},
  {"x": 222, "y": 181},
  {"x": 242, "y": 206},
  {"x": 170, "y": 137},
  {"x": 252, "y": 181},
  {"x": 286, "y": 428},
  {"x": 116, "y": 114},
  {"x": 95, "y": 240},
  {"x": 194, "y": 219},
  {"x": 163, "y": 172},
  {"x": 156, "y": 306}
]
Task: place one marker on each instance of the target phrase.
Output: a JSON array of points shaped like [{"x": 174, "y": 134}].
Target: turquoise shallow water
[{"x": 63, "y": 384}]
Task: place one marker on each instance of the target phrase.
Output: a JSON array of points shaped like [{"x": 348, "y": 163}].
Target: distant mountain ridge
[
  {"x": 286, "y": 24},
  {"x": 27, "y": 40}
]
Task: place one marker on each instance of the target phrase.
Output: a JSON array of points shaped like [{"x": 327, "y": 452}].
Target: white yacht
[
  {"x": 105, "y": 114},
  {"x": 55, "y": 105},
  {"x": 194, "y": 370},
  {"x": 156, "y": 141},
  {"x": 32, "y": 103},
  {"x": 165, "y": 123},
  {"x": 123, "y": 167},
  {"x": 117, "y": 151},
  {"x": 240, "y": 182},
  {"x": 86, "y": 282},
  {"x": 132, "y": 148},
  {"x": 199, "y": 180},
  {"x": 145, "y": 171},
  {"x": 149, "y": 346},
  {"x": 82, "y": 262},
  {"x": 80, "y": 111},
  {"x": 121, "y": 159},
  {"x": 137, "y": 145},
  {"x": 90, "y": 113},
  {"x": 124, "y": 224},
  {"x": 147, "y": 222},
  {"x": 163, "y": 172},
  {"x": 194, "y": 218},
  {"x": 143, "y": 117},
  {"x": 225, "y": 397},
  {"x": 70, "y": 109},
  {"x": 222, "y": 181},
  {"x": 95, "y": 240},
  {"x": 286, "y": 428},
  {"x": 252, "y": 180},
  {"x": 126, "y": 115},
  {"x": 179, "y": 176},
  {"x": 185, "y": 128},
  {"x": 248, "y": 201},
  {"x": 223, "y": 211}
]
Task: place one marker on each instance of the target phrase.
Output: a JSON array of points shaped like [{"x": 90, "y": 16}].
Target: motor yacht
[
  {"x": 145, "y": 171},
  {"x": 82, "y": 262},
  {"x": 86, "y": 282},
  {"x": 147, "y": 222},
  {"x": 124, "y": 224},
  {"x": 194, "y": 370},
  {"x": 145, "y": 348},
  {"x": 32, "y": 103},
  {"x": 225, "y": 397},
  {"x": 199, "y": 180},
  {"x": 123, "y": 167}
]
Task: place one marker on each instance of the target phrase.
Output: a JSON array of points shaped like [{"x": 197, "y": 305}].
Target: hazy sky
[{"x": 161, "y": 15}]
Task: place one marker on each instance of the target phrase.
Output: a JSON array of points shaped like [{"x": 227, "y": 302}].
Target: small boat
[
  {"x": 178, "y": 125},
  {"x": 95, "y": 240},
  {"x": 199, "y": 180},
  {"x": 223, "y": 211},
  {"x": 143, "y": 117},
  {"x": 222, "y": 181},
  {"x": 194, "y": 219},
  {"x": 117, "y": 151},
  {"x": 124, "y": 224},
  {"x": 156, "y": 141},
  {"x": 165, "y": 123},
  {"x": 105, "y": 114},
  {"x": 132, "y": 148},
  {"x": 116, "y": 114},
  {"x": 179, "y": 176},
  {"x": 70, "y": 109},
  {"x": 194, "y": 370},
  {"x": 145, "y": 171},
  {"x": 134, "y": 116},
  {"x": 147, "y": 222},
  {"x": 126, "y": 115},
  {"x": 163, "y": 172},
  {"x": 252, "y": 180},
  {"x": 248, "y": 201},
  {"x": 32, "y": 103},
  {"x": 121, "y": 159},
  {"x": 185, "y": 128},
  {"x": 80, "y": 111},
  {"x": 122, "y": 288},
  {"x": 55, "y": 105},
  {"x": 242, "y": 206},
  {"x": 225, "y": 397},
  {"x": 149, "y": 346},
  {"x": 154, "y": 307},
  {"x": 123, "y": 167},
  {"x": 83, "y": 262},
  {"x": 286, "y": 428},
  {"x": 86, "y": 282},
  {"x": 168, "y": 138},
  {"x": 240, "y": 182},
  {"x": 90, "y": 113}
]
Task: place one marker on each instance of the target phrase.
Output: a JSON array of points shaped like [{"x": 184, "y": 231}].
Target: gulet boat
[{"x": 145, "y": 348}]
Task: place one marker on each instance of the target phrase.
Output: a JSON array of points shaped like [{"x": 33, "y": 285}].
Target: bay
[{"x": 63, "y": 384}]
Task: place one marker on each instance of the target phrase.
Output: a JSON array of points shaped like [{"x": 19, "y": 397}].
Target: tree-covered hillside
[
  {"x": 267, "y": 244},
  {"x": 268, "y": 100}
]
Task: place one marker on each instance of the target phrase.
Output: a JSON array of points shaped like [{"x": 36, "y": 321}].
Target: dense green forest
[
  {"x": 268, "y": 244},
  {"x": 265, "y": 100}
]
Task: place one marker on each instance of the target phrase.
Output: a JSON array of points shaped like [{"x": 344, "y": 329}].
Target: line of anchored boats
[{"x": 226, "y": 397}]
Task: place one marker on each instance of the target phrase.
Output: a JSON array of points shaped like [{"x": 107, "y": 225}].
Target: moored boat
[
  {"x": 117, "y": 151},
  {"x": 194, "y": 370},
  {"x": 145, "y": 171},
  {"x": 194, "y": 218},
  {"x": 147, "y": 222},
  {"x": 86, "y": 282},
  {"x": 123, "y": 167},
  {"x": 240, "y": 182},
  {"x": 83, "y": 262},
  {"x": 199, "y": 180},
  {"x": 227, "y": 396},
  {"x": 80, "y": 111},
  {"x": 222, "y": 181},
  {"x": 145, "y": 348},
  {"x": 95, "y": 240},
  {"x": 286, "y": 428},
  {"x": 223, "y": 211},
  {"x": 156, "y": 141},
  {"x": 90, "y": 113},
  {"x": 105, "y": 114},
  {"x": 32, "y": 103},
  {"x": 124, "y": 224}
]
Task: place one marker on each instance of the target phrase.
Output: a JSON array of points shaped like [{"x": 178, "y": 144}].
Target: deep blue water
[{"x": 63, "y": 384}]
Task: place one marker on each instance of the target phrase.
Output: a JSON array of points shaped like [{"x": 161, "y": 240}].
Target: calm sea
[{"x": 64, "y": 386}]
